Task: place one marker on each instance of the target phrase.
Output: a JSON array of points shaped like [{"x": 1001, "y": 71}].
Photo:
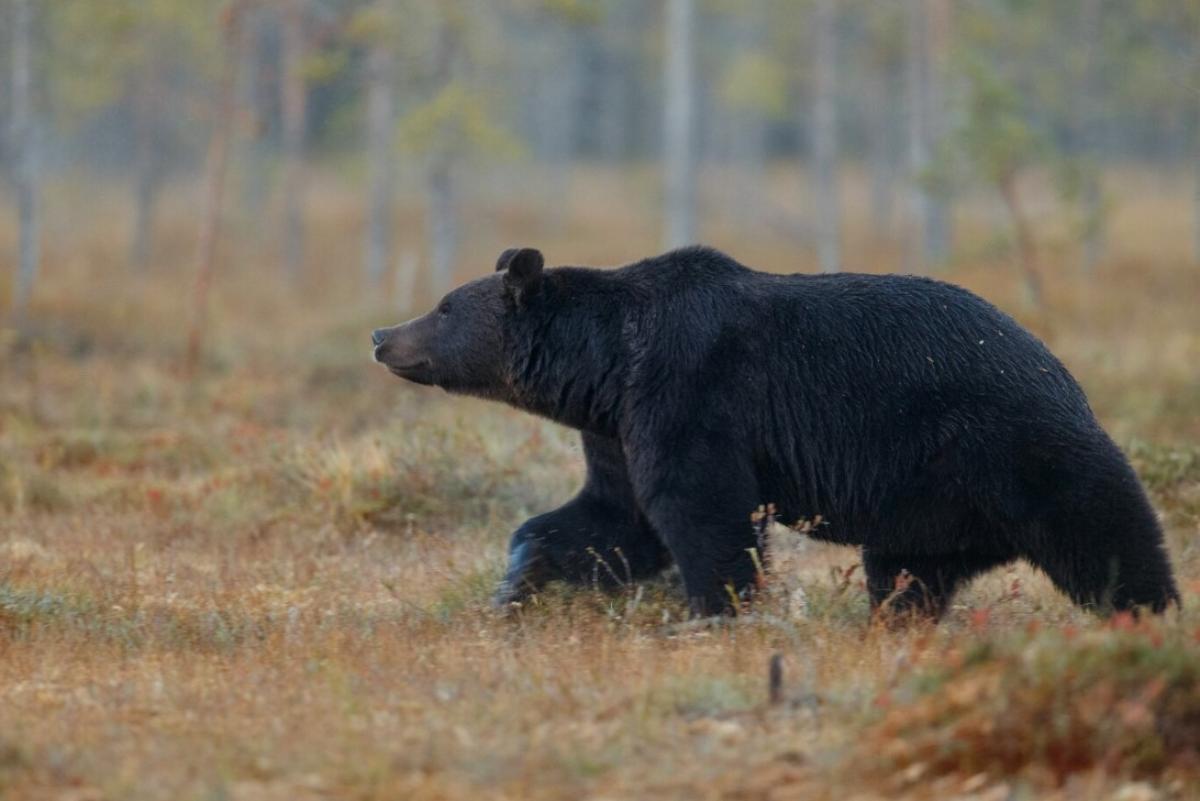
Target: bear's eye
[{"x": 444, "y": 309}]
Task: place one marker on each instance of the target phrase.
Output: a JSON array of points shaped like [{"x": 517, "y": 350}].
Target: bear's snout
[
  {"x": 379, "y": 341},
  {"x": 401, "y": 349}
]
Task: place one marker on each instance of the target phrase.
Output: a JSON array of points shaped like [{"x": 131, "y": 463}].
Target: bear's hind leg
[
  {"x": 921, "y": 585},
  {"x": 1098, "y": 538},
  {"x": 1136, "y": 574}
]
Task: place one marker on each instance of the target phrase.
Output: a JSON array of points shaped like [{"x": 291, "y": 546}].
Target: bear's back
[{"x": 850, "y": 333}]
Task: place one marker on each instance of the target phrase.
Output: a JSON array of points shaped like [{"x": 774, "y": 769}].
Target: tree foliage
[{"x": 98, "y": 50}]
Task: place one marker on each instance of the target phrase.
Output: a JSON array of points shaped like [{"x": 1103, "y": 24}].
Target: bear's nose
[{"x": 377, "y": 336}]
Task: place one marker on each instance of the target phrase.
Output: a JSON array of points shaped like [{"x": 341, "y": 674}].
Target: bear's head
[{"x": 460, "y": 346}]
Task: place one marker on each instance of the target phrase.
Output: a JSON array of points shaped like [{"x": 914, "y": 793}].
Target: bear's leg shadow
[
  {"x": 921, "y": 585},
  {"x": 600, "y": 537}
]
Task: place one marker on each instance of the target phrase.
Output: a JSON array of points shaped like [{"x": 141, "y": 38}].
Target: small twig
[
  {"x": 632, "y": 605},
  {"x": 775, "y": 680},
  {"x": 628, "y": 570},
  {"x": 601, "y": 561}
]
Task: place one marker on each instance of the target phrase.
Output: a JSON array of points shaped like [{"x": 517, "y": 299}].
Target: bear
[{"x": 915, "y": 419}]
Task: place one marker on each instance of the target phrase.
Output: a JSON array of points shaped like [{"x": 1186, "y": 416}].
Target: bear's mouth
[{"x": 417, "y": 372}]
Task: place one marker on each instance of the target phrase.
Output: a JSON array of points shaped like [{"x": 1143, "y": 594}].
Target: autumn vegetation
[
  {"x": 270, "y": 578},
  {"x": 240, "y": 561}
]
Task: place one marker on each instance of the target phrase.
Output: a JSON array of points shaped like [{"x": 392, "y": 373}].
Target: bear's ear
[
  {"x": 522, "y": 272},
  {"x": 505, "y": 258}
]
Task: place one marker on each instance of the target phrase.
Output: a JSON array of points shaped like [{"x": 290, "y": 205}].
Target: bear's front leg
[
  {"x": 699, "y": 498},
  {"x": 584, "y": 542},
  {"x": 599, "y": 537}
]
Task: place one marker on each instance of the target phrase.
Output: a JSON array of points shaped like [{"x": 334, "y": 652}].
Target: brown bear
[{"x": 916, "y": 419}]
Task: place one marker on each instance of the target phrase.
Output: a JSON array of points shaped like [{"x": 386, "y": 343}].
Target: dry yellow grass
[{"x": 271, "y": 581}]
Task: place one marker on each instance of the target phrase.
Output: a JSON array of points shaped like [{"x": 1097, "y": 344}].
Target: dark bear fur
[{"x": 916, "y": 419}]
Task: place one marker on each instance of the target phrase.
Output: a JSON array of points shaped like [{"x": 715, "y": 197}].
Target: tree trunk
[
  {"x": 381, "y": 121},
  {"x": 744, "y": 129},
  {"x": 257, "y": 91},
  {"x": 25, "y": 168},
  {"x": 928, "y": 23},
  {"x": 148, "y": 168},
  {"x": 1023, "y": 233},
  {"x": 1196, "y": 163},
  {"x": 442, "y": 226},
  {"x": 147, "y": 182},
  {"x": 405, "y": 280},
  {"x": 218, "y": 158},
  {"x": 556, "y": 110},
  {"x": 918, "y": 144},
  {"x": 1196, "y": 205},
  {"x": 880, "y": 152},
  {"x": 441, "y": 203},
  {"x": 938, "y": 225},
  {"x": 293, "y": 111},
  {"x": 825, "y": 144},
  {"x": 1092, "y": 210},
  {"x": 747, "y": 146},
  {"x": 614, "y": 118},
  {"x": 1091, "y": 198},
  {"x": 678, "y": 124}
]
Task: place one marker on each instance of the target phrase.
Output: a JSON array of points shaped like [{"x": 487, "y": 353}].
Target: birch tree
[
  {"x": 214, "y": 183},
  {"x": 1195, "y": 105},
  {"x": 679, "y": 138},
  {"x": 140, "y": 60},
  {"x": 453, "y": 126},
  {"x": 999, "y": 145},
  {"x": 927, "y": 22},
  {"x": 293, "y": 103},
  {"x": 883, "y": 62},
  {"x": 753, "y": 91},
  {"x": 1090, "y": 123},
  {"x": 1195, "y": 115},
  {"x": 381, "y": 125},
  {"x": 825, "y": 144},
  {"x": 938, "y": 225},
  {"x": 24, "y": 140},
  {"x": 441, "y": 211}
]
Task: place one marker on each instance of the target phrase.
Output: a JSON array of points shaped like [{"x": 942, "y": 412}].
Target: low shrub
[{"x": 1124, "y": 700}]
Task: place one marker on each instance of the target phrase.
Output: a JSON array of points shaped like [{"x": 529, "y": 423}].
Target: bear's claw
[{"x": 524, "y": 576}]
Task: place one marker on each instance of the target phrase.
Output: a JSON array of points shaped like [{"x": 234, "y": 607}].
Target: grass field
[{"x": 271, "y": 579}]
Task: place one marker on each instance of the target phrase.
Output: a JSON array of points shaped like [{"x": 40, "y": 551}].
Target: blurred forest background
[
  {"x": 238, "y": 560},
  {"x": 436, "y": 125}
]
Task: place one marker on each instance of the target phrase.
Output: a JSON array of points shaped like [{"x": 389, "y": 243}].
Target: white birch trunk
[
  {"x": 24, "y": 143},
  {"x": 938, "y": 223},
  {"x": 216, "y": 167},
  {"x": 881, "y": 154},
  {"x": 1196, "y": 165},
  {"x": 1091, "y": 198},
  {"x": 1196, "y": 205},
  {"x": 825, "y": 144},
  {"x": 294, "y": 101},
  {"x": 442, "y": 227},
  {"x": 916, "y": 88},
  {"x": 679, "y": 140},
  {"x": 381, "y": 120},
  {"x": 149, "y": 166}
]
